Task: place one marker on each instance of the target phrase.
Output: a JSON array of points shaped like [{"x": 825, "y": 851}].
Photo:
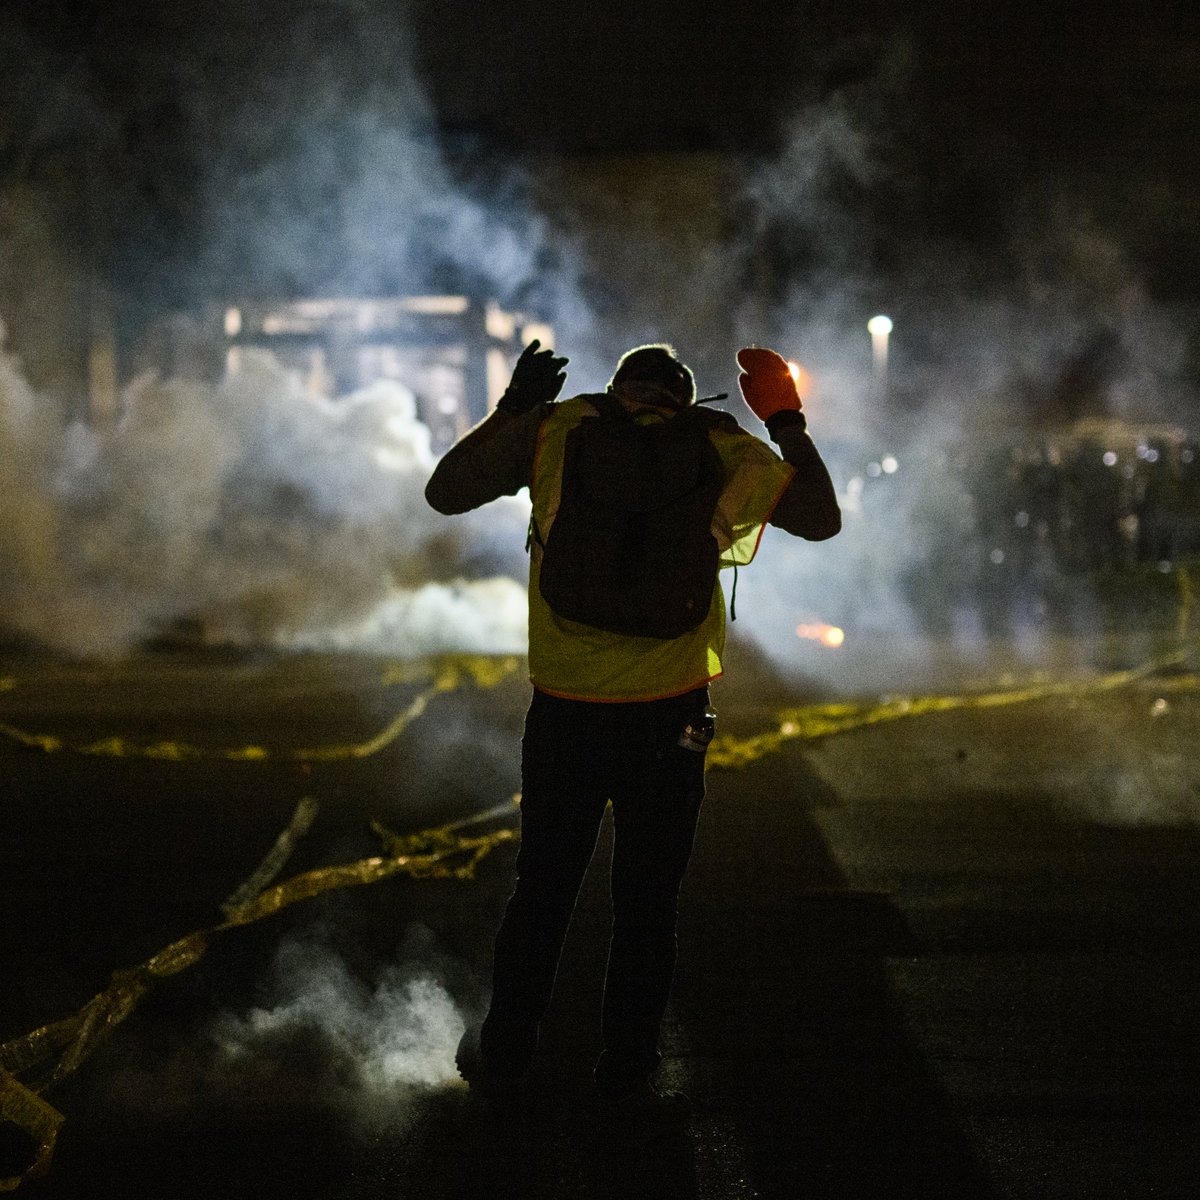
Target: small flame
[{"x": 827, "y": 635}]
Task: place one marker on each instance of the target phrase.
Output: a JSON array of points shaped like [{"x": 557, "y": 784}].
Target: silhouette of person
[{"x": 618, "y": 714}]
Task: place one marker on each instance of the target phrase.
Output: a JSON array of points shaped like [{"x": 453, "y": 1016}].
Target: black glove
[{"x": 537, "y": 379}]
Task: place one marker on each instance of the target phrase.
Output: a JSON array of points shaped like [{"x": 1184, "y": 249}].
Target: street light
[{"x": 880, "y": 327}]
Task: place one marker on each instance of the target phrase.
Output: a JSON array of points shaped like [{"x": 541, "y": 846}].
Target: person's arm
[
  {"x": 494, "y": 459},
  {"x": 808, "y": 507}
]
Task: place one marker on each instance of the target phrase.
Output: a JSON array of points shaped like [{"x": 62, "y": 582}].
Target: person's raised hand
[
  {"x": 766, "y": 382},
  {"x": 537, "y": 379}
]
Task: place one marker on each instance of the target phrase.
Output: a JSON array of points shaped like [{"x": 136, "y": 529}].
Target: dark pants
[{"x": 576, "y": 756}]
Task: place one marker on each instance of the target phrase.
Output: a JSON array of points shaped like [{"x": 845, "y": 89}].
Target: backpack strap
[{"x": 533, "y": 534}]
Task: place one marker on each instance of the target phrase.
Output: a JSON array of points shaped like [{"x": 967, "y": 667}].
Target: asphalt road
[{"x": 945, "y": 956}]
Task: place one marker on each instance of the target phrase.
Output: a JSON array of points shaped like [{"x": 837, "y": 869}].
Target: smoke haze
[
  {"x": 312, "y": 161},
  {"x": 1023, "y": 302},
  {"x": 362, "y": 1049},
  {"x": 269, "y": 516}
]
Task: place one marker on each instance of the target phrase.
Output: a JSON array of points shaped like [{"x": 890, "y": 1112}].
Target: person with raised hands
[{"x": 640, "y": 495}]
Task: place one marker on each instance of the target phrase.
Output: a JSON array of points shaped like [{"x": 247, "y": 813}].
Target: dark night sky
[
  {"x": 1063, "y": 76},
  {"x": 1109, "y": 87}
]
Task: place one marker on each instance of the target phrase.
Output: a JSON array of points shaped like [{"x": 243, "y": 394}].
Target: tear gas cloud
[
  {"x": 274, "y": 518},
  {"x": 1159, "y": 790},
  {"x": 1000, "y": 345},
  {"x": 264, "y": 514},
  {"x": 359, "y": 1047}
]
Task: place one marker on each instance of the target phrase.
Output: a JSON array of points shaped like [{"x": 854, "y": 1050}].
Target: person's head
[{"x": 654, "y": 375}]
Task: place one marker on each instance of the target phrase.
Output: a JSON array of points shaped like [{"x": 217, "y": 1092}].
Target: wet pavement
[{"x": 947, "y": 956}]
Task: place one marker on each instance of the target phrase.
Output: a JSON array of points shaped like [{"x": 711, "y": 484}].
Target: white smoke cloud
[
  {"x": 367, "y": 1045},
  {"x": 1031, "y": 313},
  {"x": 322, "y": 171},
  {"x": 250, "y": 509},
  {"x": 276, "y": 519},
  {"x": 486, "y": 616},
  {"x": 267, "y": 515},
  {"x": 1163, "y": 791},
  {"x": 362, "y": 1048}
]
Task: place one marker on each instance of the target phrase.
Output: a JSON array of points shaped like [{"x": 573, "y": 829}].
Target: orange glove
[{"x": 767, "y": 384}]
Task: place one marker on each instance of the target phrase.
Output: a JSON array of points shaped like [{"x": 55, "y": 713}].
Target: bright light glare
[
  {"x": 827, "y": 635},
  {"x": 879, "y": 326},
  {"x": 801, "y": 378},
  {"x": 436, "y": 305},
  {"x": 889, "y": 464}
]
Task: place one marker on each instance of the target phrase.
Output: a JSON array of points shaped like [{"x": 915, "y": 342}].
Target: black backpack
[{"x": 631, "y": 550}]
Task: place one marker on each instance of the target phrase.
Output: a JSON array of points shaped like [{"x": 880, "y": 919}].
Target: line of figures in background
[
  {"x": 1032, "y": 529},
  {"x": 1097, "y": 506}
]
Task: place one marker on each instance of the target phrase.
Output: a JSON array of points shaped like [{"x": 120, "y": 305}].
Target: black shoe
[
  {"x": 640, "y": 1113},
  {"x": 503, "y": 1094}
]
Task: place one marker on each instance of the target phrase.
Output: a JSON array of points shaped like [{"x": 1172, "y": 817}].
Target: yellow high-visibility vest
[{"x": 580, "y": 662}]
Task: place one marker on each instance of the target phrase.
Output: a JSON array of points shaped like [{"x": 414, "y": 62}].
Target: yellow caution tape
[
  {"x": 36, "y": 1047},
  {"x": 444, "y": 852},
  {"x": 484, "y": 673},
  {"x": 435, "y": 864},
  {"x": 1187, "y": 597},
  {"x": 435, "y": 846},
  {"x": 1177, "y": 683},
  {"x": 275, "y": 859},
  {"x": 396, "y": 674},
  {"x": 104, "y": 1012},
  {"x": 388, "y": 734},
  {"x": 28, "y": 1111},
  {"x": 448, "y": 675},
  {"x": 825, "y": 720},
  {"x": 486, "y": 670},
  {"x": 35, "y": 741}
]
